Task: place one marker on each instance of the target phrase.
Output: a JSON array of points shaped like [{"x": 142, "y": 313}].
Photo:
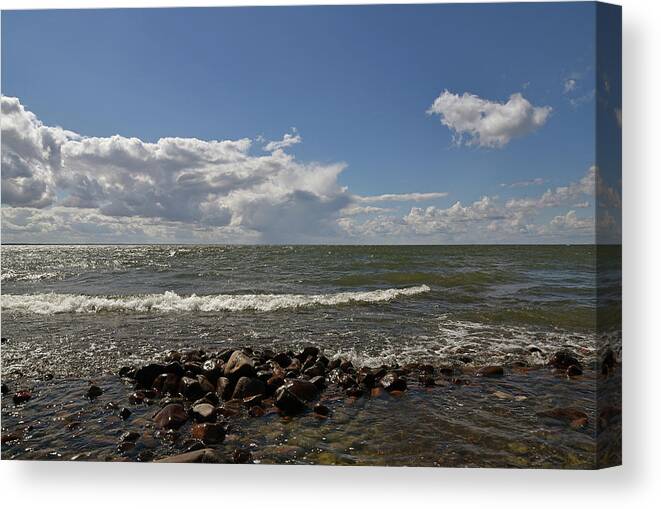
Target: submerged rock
[
  {"x": 171, "y": 416},
  {"x": 209, "y": 432},
  {"x": 21, "y": 397},
  {"x": 563, "y": 359},
  {"x": 94, "y": 392},
  {"x": 491, "y": 371},
  {"x": 391, "y": 381}
]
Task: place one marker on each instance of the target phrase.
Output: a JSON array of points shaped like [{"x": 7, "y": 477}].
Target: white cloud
[
  {"x": 569, "y": 85},
  {"x": 488, "y": 123},
  {"x": 571, "y": 221},
  {"x": 174, "y": 180},
  {"x": 288, "y": 140},
  {"x": 400, "y": 197},
  {"x": 525, "y": 183}
]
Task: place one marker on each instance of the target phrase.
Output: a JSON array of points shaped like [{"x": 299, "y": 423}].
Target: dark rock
[
  {"x": 200, "y": 456},
  {"x": 446, "y": 371},
  {"x": 167, "y": 383},
  {"x": 273, "y": 383},
  {"x": 534, "y": 349},
  {"x": 93, "y": 392},
  {"x": 224, "y": 388},
  {"x": 574, "y": 370},
  {"x": 172, "y": 356},
  {"x": 366, "y": 379},
  {"x": 355, "y": 391},
  {"x": 213, "y": 369},
  {"x": 145, "y": 456},
  {"x": 193, "y": 367},
  {"x": 288, "y": 402},
  {"x": 5, "y": 389},
  {"x": 282, "y": 359},
  {"x": 321, "y": 410},
  {"x": 391, "y": 381},
  {"x": 608, "y": 362},
  {"x": 317, "y": 369},
  {"x": 427, "y": 380},
  {"x": 319, "y": 382},
  {"x": 247, "y": 387},
  {"x": 466, "y": 359},
  {"x": 238, "y": 365},
  {"x": 190, "y": 388},
  {"x": 303, "y": 389},
  {"x": 205, "y": 384},
  {"x": 194, "y": 445},
  {"x": 171, "y": 416},
  {"x": 575, "y": 417},
  {"x": 145, "y": 375},
  {"x": 209, "y": 433},
  {"x": 129, "y": 436},
  {"x": 21, "y": 397},
  {"x": 256, "y": 411},
  {"x": 563, "y": 359},
  {"x": 490, "y": 371},
  {"x": 124, "y": 413},
  {"x": 204, "y": 412},
  {"x": 127, "y": 372},
  {"x": 294, "y": 365},
  {"x": 346, "y": 366},
  {"x": 241, "y": 455},
  {"x": 175, "y": 368},
  {"x": 212, "y": 398}
]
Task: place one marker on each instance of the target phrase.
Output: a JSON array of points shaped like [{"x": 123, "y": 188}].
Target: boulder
[
  {"x": 208, "y": 432},
  {"x": 145, "y": 375},
  {"x": 93, "y": 392},
  {"x": 190, "y": 388},
  {"x": 21, "y": 397},
  {"x": 198, "y": 456},
  {"x": 490, "y": 371},
  {"x": 204, "y": 412},
  {"x": 5, "y": 389},
  {"x": 288, "y": 402},
  {"x": 282, "y": 359},
  {"x": 171, "y": 416},
  {"x": 574, "y": 370},
  {"x": 247, "y": 387},
  {"x": 303, "y": 389},
  {"x": 391, "y": 381},
  {"x": 238, "y": 365},
  {"x": 205, "y": 384},
  {"x": 563, "y": 359},
  {"x": 167, "y": 383},
  {"x": 224, "y": 388}
]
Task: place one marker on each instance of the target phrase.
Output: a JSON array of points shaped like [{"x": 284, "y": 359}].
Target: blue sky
[{"x": 352, "y": 86}]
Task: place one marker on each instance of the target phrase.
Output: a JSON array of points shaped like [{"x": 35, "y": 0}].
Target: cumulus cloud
[
  {"x": 488, "y": 123},
  {"x": 177, "y": 180}
]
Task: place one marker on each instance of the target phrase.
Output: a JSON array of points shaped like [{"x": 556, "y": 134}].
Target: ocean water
[{"x": 81, "y": 312}]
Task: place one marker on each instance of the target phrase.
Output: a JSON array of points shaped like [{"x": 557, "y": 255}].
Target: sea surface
[{"x": 71, "y": 314}]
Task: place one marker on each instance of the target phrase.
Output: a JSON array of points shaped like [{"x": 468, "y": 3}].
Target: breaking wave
[{"x": 52, "y": 303}]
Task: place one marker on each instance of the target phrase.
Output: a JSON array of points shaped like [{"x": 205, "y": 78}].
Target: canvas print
[{"x": 378, "y": 235}]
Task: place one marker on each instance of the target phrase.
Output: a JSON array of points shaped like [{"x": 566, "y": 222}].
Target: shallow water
[{"x": 79, "y": 313}]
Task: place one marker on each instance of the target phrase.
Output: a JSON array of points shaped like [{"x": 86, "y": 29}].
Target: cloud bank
[{"x": 484, "y": 123}]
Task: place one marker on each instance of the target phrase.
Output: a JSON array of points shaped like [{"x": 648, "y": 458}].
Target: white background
[{"x": 636, "y": 484}]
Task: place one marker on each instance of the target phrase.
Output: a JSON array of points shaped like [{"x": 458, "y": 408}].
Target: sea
[{"x": 74, "y": 313}]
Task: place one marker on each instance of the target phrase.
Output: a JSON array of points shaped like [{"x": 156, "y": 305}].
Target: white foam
[
  {"x": 51, "y": 303},
  {"x": 11, "y": 275}
]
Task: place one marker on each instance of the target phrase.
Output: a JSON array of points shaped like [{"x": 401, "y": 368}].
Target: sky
[{"x": 435, "y": 124}]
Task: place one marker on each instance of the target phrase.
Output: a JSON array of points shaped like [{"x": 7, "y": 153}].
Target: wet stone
[
  {"x": 21, "y": 397},
  {"x": 209, "y": 433},
  {"x": 204, "y": 412},
  {"x": 242, "y": 455},
  {"x": 124, "y": 413},
  {"x": 563, "y": 359},
  {"x": 171, "y": 416},
  {"x": 93, "y": 392}
]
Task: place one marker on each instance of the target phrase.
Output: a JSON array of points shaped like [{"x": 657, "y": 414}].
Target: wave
[
  {"x": 52, "y": 303},
  {"x": 11, "y": 275}
]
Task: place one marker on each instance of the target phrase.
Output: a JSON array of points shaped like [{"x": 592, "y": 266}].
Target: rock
[
  {"x": 288, "y": 402},
  {"x": 5, "y": 389},
  {"x": 608, "y": 362},
  {"x": 303, "y": 389},
  {"x": 573, "y": 416},
  {"x": 171, "y": 416},
  {"x": 167, "y": 383},
  {"x": 466, "y": 359},
  {"x": 392, "y": 382},
  {"x": 127, "y": 372},
  {"x": 490, "y": 371},
  {"x": 129, "y": 436},
  {"x": 145, "y": 375},
  {"x": 21, "y": 397},
  {"x": 190, "y": 388},
  {"x": 241, "y": 455},
  {"x": 317, "y": 369},
  {"x": 145, "y": 456},
  {"x": 366, "y": 378},
  {"x": 563, "y": 359},
  {"x": 94, "y": 392},
  {"x": 256, "y": 411},
  {"x": 247, "y": 387},
  {"x": 321, "y": 410},
  {"x": 199, "y": 456},
  {"x": 194, "y": 445},
  {"x": 224, "y": 388},
  {"x": 273, "y": 383},
  {"x": 574, "y": 370},
  {"x": 238, "y": 365},
  {"x": 205, "y": 384},
  {"x": 124, "y": 413},
  {"x": 355, "y": 391},
  {"x": 204, "y": 412},
  {"x": 319, "y": 382},
  {"x": 282, "y": 359},
  {"x": 295, "y": 365},
  {"x": 209, "y": 433}
]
